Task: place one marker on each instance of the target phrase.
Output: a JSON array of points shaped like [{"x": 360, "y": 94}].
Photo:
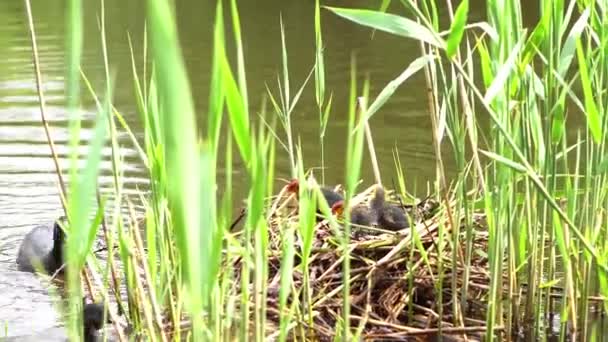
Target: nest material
[{"x": 393, "y": 288}]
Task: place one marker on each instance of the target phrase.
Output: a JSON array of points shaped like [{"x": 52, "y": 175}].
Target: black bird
[
  {"x": 331, "y": 196},
  {"x": 42, "y": 247},
  {"x": 376, "y": 213},
  {"x": 93, "y": 320},
  {"x": 392, "y": 218},
  {"x": 364, "y": 214}
]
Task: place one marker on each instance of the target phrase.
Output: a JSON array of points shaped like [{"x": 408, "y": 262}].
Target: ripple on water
[
  {"x": 29, "y": 196},
  {"x": 27, "y": 309}
]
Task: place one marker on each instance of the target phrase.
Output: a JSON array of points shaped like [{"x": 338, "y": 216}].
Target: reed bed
[{"x": 382, "y": 289}]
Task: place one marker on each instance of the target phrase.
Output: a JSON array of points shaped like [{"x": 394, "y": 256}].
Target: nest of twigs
[{"x": 394, "y": 277}]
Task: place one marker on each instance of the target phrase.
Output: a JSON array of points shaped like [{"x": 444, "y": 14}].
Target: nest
[{"x": 394, "y": 278}]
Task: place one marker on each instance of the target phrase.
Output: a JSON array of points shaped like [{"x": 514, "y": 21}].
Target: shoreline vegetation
[{"x": 518, "y": 237}]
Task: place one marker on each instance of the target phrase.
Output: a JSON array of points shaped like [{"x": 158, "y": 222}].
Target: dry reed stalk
[
  {"x": 152, "y": 296},
  {"x": 42, "y": 103}
]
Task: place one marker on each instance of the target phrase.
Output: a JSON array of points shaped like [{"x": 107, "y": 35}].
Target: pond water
[{"x": 28, "y": 184}]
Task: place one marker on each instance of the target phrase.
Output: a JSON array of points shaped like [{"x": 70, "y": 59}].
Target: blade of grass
[
  {"x": 237, "y": 113},
  {"x": 216, "y": 89},
  {"x": 457, "y": 28},
  {"x": 593, "y": 116},
  {"x": 392, "y": 86},
  {"x": 181, "y": 156},
  {"x": 389, "y": 23}
]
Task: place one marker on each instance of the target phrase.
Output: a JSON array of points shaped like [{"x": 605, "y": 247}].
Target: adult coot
[{"x": 42, "y": 247}]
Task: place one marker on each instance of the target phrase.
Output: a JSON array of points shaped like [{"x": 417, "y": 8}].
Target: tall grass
[{"x": 540, "y": 191}]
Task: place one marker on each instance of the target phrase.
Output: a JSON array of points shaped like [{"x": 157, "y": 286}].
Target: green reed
[{"x": 324, "y": 107}]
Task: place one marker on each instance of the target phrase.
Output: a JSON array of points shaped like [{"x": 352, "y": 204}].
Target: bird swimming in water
[
  {"x": 42, "y": 247},
  {"x": 92, "y": 320}
]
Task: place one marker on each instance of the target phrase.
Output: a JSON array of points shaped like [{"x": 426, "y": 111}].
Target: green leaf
[
  {"x": 216, "y": 90},
  {"x": 593, "y": 116},
  {"x": 237, "y": 113},
  {"x": 390, "y": 23},
  {"x": 487, "y": 29},
  {"x": 83, "y": 192},
  {"x": 242, "y": 80},
  {"x": 307, "y": 210},
  {"x": 211, "y": 238},
  {"x": 182, "y": 162},
  {"x": 549, "y": 283},
  {"x": 319, "y": 65},
  {"x": 286, "y": 279},
  {"x": 486, "y": 63},
  {"x": 498, "y": 84},
  {"x": 603, "y": 165},
  {"x": 296, "y": 98},
  {"x": 392, "y": 86},
  {"x": 384, "y": 5},
  {"x": 533, "y": 43},
  {"x": 325, "y": 116},
  {"x": 603, "y": 279},
  {"x": 567, "y": 53},
  {"x": 559, "y": 121},
  {"x": 508, "y": 162},
  {"x": 285, "y": 65},
  {"x": 92, "y": 231},
  {"x": 457, "y": 28}
]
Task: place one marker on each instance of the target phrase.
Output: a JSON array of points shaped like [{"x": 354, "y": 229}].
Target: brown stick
[
  {"x": 155, "y": 307},
  {"x": 372, "y": 152},
  {"x": 238, "y": 219},
  {"x": 42, "y": 102}
]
